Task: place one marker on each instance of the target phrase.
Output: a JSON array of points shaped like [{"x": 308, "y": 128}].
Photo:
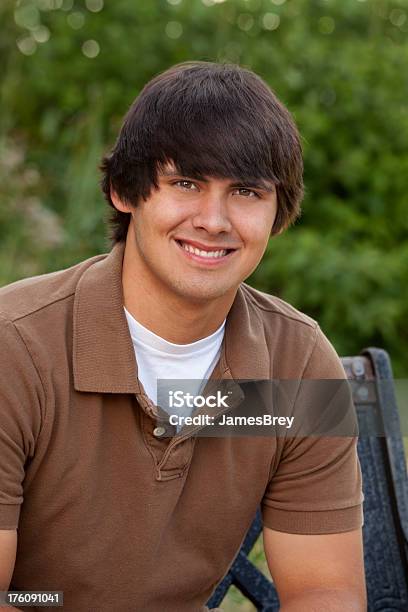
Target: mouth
[{"x": 208, "y": 255}]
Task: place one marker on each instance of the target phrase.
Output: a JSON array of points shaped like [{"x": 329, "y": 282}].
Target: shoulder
[
  {"x": 270, "y": 307},
  {"x": 295, "y": 341},
  {"x": 31, "y": 295}
]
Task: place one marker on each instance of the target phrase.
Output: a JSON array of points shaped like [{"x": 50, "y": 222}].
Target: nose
[{"x": 212, "y": 214}]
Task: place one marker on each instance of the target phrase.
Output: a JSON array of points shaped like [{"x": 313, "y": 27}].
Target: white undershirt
[{"x": 159, "y": 359}]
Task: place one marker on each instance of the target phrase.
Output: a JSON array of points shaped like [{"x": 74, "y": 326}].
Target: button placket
[
  {"x": 185, "y": 453},
  {"x": 187, "y": 436},
  {"x": 158, "y": 445}
]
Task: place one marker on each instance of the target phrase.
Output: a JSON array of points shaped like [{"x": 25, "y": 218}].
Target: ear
[{"x": 118, "y": 203}]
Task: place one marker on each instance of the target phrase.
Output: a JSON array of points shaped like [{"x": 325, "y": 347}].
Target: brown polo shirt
[{"x": 107, "y": 512}]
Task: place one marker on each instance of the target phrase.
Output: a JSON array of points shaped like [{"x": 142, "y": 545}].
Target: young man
[{"x": 108, "y": 508}]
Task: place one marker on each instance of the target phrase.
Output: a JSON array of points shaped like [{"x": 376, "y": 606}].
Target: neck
[{"x": 170, "y": 316}]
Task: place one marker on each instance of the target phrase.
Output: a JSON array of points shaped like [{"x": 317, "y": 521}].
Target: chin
[{"x": 202, "y": 292}]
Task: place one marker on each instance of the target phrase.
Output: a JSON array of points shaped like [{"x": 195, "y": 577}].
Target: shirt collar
[{"x": 103, "y": 355}]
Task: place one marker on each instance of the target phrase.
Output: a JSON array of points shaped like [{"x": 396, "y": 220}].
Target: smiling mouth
[{"x": 210, "y": 255}]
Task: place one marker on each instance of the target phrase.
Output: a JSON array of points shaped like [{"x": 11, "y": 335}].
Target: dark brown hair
[{"x": 209, "y": 119}]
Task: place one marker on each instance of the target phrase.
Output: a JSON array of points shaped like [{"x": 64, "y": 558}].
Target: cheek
[
  {"x": 256, "y": 230},
  {"x": 163, "y": 217}
]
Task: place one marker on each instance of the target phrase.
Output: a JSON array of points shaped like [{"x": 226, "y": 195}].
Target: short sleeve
[
  {"x": 316, "y": 485},
  {"x": 21, "y": 395}
]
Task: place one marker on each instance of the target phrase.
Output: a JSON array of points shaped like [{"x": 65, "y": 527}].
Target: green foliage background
[{"x": 339, "y": 65}]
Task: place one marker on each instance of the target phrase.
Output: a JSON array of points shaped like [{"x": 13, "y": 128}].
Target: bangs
[
  {"x": 223, "y": 131},
  {"x": 217, "y": 147}
]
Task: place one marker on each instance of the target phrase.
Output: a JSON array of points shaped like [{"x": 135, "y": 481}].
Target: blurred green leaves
[{"x": 70, "y": 69}]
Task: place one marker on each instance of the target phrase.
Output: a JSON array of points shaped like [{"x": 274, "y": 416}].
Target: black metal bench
[{"x": 385, "y": 487}]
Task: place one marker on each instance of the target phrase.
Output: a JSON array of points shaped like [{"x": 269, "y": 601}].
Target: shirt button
[{"x": 159, "y": 431}]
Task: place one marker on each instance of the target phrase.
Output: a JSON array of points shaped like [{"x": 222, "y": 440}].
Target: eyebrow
[
  {"x": 251, "y": 183},
  {"x": 256, "y": 184}
]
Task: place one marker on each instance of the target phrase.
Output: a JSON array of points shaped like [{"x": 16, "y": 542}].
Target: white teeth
[{"x": 209, "y": 254}]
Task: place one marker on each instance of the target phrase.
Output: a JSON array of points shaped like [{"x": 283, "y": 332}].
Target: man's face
[{"x": 199, "y": 239}]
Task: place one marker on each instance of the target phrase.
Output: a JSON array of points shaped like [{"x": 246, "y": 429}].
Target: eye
[
  {"x": 247, "y": 193},
  {"x": 186, "y": 185}
]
